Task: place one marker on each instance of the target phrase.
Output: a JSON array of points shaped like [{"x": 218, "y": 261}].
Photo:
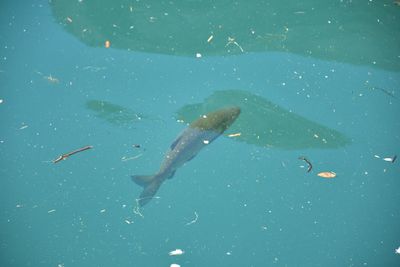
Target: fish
[{"x": 187, "y": 145}]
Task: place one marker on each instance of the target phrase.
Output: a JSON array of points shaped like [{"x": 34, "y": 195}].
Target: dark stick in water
[
  {"x": 308, "y": 162},
  {"x": 65, "y": 156}
]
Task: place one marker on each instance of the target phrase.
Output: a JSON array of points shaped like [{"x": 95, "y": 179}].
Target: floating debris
[
  {"x": 232, "y": 41},
  {"x": 397, "y": 250},
  {"x": 51, "y": 211},
  {"x": 1, "y": 101},
  {"x": 392, "y": 159},
  {"x": 103, "y": 210},
  {"x": 194, "y": 220},
  {"x": 198, "y": 55},
  {"x": 23, "y": 127},
  {"x": 308, "y": 162},
  {"x": 174, "y": 265},
  {"x": 93, "y": 68},
  {"x": 124, "y": 158},
  {"x": 107, "y": 44},
  {"x": 388, "y": 159},
  {"x": 49, "y": 78},
  {"x": 327, "y": 174},
  {"x": 176, "y": 252},
  {"x": 383, "y": 90},
  {"x": 234, "y": 135},
  {"x": 137, "y": 211},
  {"x": 65, "y": 156}
]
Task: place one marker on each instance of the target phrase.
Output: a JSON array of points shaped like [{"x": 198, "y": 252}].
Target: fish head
[{"x": 217, "y": 121}]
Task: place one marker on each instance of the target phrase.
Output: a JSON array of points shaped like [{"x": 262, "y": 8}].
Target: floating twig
[
  {"x": 308, "y": 163},
  {"x": 232, "y": 41},
  {"x": 65, "y": 156},
  {"x": 124, "y": 158},
  {"x": 385, "y": 91},
  {"x": 136, "y": 209},
  {"x": 234, "y": 134},
  {"x": 194, "y": 220}
]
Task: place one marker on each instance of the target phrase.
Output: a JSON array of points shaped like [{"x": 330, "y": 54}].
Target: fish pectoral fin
[
  {"x": 142, "y": 180},
  {"x": 171, "y": 175},
  {"x": 192, "y": 157},
  {"x": 173, "y": 145}
]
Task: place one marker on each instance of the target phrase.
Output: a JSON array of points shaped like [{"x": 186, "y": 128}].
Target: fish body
[{"x": 187, "y": 145}]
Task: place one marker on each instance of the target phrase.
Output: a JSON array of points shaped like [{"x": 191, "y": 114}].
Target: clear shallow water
[{"x": 256, "y": 206}]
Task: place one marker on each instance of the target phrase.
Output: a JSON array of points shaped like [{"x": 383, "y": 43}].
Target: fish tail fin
[
  {"x": 150, "y": 184},
  {"x": 142, "y": 180}
]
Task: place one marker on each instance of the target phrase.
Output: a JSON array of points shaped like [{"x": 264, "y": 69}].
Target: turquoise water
[{"x": 237, "y": 203}]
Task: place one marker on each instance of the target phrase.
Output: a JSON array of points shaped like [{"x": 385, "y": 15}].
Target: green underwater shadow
[
  {"x": 343, "y": 31},
  {"x": 266, "y": 124},
  {"x": 114, "y": 114}
]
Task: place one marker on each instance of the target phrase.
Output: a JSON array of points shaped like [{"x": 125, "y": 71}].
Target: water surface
[{"x": 334, "y": 65}]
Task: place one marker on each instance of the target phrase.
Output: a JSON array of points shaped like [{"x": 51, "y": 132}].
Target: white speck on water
[{"x": 176, "y": 252}]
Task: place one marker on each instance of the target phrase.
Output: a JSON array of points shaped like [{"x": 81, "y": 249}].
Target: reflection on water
[
  {"x": 346, "y": 31},
  {"x": 113, "y": 113},
  {"x": 264, "y": 123}
]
